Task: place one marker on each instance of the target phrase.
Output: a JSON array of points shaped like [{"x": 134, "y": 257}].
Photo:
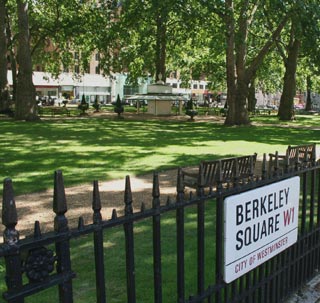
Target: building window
[
  {"x": 195, "y": 86},
  {"x": 97, "y": 69},
  {"x": 97, "y": 56},
  {"x": 129, "y": 90},
  {"x": 76, "y": 69},
  {"x": 76, "y": 55},
  {"x": 175, "y": 85},
  {"x": 201, "y": 86}
]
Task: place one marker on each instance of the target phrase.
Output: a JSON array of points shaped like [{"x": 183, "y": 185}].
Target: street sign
[{"x": 259, "y": 224}]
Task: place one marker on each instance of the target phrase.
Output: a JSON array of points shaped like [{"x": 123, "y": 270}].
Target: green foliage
[
  {"x": 71, "y": 145},
  {"x": 66, "y": 27},
  {"x": 136, "y": 32},
  {"x": 128, "y": 35}
]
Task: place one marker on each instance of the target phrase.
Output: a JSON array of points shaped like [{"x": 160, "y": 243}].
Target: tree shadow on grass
[{"x": 88, "y": 149}]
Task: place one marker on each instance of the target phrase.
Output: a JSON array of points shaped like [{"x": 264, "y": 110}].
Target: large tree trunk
[
  {"x": 230, "y": 65},
  {"x": 252, "y": 101},
  {"x": 161, "y": 45},
  {"x": 309, "y": 87},
  {"x": 4, "y": 89},
  {"x": 240, "y": 73},
  {"x": 12, "y": 58},
  {"x": 286, "y": 111},
  {"x": 25, "y": 108}
]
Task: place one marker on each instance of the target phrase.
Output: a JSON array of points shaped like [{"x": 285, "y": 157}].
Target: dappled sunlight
[{"x": 104, "y": 149}]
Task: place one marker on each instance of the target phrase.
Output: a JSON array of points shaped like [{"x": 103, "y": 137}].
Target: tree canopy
[{"x": 236, "y": 45}]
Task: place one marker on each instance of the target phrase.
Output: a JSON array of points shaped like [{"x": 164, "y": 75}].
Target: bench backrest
[
  {"x": 230, "y": 167},
  {"x": 305, "y": 153}
]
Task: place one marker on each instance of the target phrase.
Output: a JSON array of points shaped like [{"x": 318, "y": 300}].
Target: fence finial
[
  {"x": 297, "y": 161},
  {"x": 264, "y": 170},
  {"x": 59, "y": 203},
  {"x": 128, "y": 197},
  {"x": 9, "y": 214},
  {"x": 59, "y": 196},
  {"x": 201, "y": 183},
  {"x": 155, "y": 191},
  {"x": 96, "y": 203},
  {"x": 219, "y": 172},
  {"x": 276, "y": 167},
  {"x": 114, "y": 214},
  {"x": 236, "y": 172},
  {"x": 37, "y": 230},
  {"x": 180, "y": 187}
]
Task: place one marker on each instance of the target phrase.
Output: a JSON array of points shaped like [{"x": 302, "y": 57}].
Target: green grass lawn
[{"x": 94, "y": 148}]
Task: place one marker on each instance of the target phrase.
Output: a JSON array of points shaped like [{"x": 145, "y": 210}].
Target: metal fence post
[
  {"x": 63, "y": 247},
  {"x": 201, "y": 231},
  {"x": 156, "y": 225},
  {"x": 98, "y": 245},
  {"x": 129, "y": 238},
  {"x": 180, "y": 239},
  {"x": 11, "y": 238}
]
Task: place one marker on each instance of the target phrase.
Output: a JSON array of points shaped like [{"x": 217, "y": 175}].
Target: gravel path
[{"x": 38, "y": 206}]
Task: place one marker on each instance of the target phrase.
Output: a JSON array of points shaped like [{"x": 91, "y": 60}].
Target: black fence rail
[{"x": 42, "y": 261}]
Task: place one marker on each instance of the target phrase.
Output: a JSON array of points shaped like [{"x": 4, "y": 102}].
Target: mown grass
[{"x": 94, "y": 148}]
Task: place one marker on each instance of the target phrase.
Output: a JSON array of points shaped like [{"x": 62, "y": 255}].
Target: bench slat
[
  {"x": 295, "y": 155},
  {"x": 240, "y": 167}
]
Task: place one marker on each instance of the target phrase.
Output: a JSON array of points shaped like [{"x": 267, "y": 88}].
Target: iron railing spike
[
  {"x": 59, "y": 196},
  {"x": 156, "y": 185},
  {"x": 264, "y": 166},
  {"x": 190, "y": 195},
  {"x": 180, "y": 186},
  {"x": 155, "y": 191},
  {"x": 9, "y": 214},
  {"x": 37, "y": 230},
  {"x": 114, "y": 214},
  {"x": 128, "y": 197},
  {"x": 142, "y": 207},
  {"x": 80, "y": 223},
  {"x": 168, "y": 201},
  {"x": 9, "y": 211},
  {"x": 96, "y": 201}
]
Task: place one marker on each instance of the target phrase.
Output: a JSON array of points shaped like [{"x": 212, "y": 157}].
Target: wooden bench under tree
[
  {"x": 54, "y": 111},
  {"x": 295, "y": 156},
  {"x": 230, "y": 169}
]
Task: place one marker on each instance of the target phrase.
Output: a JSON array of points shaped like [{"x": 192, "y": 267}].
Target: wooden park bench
[
  {"x": 230, "y": 169},
  {"x": 54, "y": 110},
  {"x": 60, "y": 111},
  {"x": 294, "y": 156}
]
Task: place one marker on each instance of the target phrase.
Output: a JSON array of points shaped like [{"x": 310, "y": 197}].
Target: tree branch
[{"x": 256, "y": 62}]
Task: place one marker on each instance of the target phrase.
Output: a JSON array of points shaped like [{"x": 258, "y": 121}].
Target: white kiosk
[
  {"x": 160, "y": 97},
  {"x": 157, "y": 104}
]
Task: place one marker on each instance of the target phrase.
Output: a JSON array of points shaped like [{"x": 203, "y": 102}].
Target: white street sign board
[{"x": 258, "y": 225}]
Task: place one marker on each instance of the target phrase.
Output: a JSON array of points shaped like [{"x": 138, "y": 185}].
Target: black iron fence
[{"x": 44, "y": 261}]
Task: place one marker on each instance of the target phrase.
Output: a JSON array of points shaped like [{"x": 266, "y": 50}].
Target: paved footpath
[{"x": 310, "y": 293}]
